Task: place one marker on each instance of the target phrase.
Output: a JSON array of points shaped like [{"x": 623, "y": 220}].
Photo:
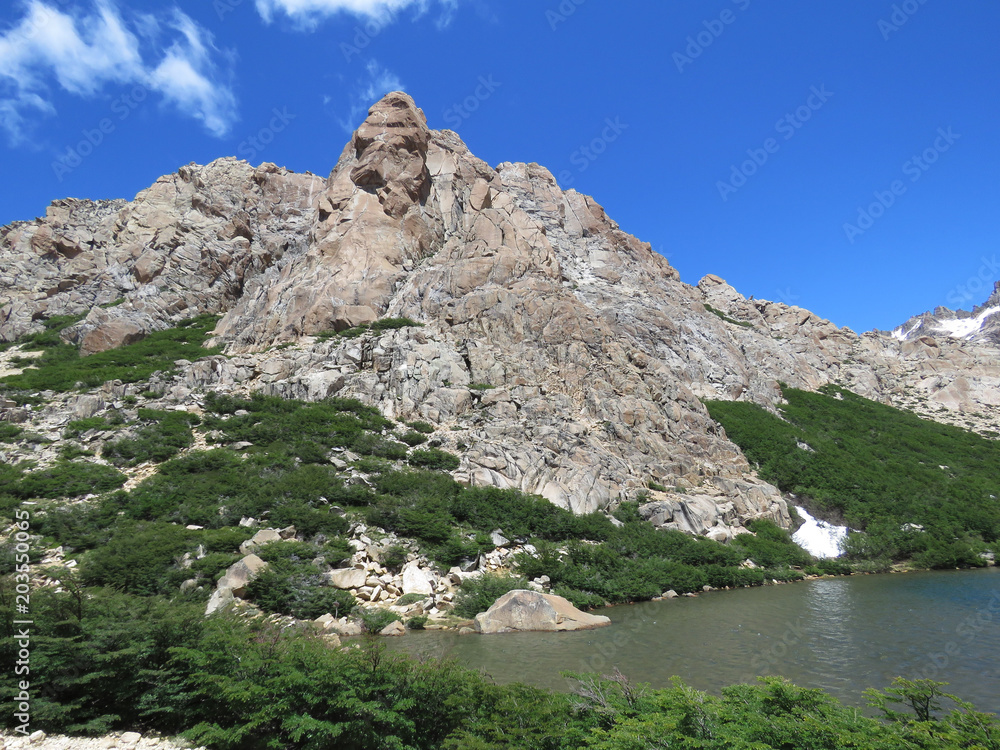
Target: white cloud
[
  {"x": 376, "y": 83},
  {"x": 309, "y": 12},
  {"x": 83, "y": 51}
]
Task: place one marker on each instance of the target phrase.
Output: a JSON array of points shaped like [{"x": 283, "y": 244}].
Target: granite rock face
[
  {"x": 561, "y": 355},
  {"x": 522, "y": 611}
]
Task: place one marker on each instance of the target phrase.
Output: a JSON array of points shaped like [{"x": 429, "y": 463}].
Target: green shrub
[
  {"x": 425, "y": 427},
  {"x": 61, "y": 367},
  {"x": 374, "y": 620},
  {"x": 68, "y": 479},
  {"x": 407, "y": 599},
  {"x": 79, "y": 426},
  {"x": 163, "y": 435},
  {"x": 413, "y": 438},
  {"x": 299, "y": 590},
  {"x": 393, "y": 557},
  {"x": 336, "y": 552},
  {"x": 771, "y": 546},
  {"x": 136, "y": 559},
  {"x": 478, "y": 594},
  {"x": 881, "y": 467},
  {"x": 434, "y": 458},
  {"x": 418, "y": 622},
  {"x": 9, "y": 432},
  {"x": 287, "y": 550},
  {"x": 72, "y": 451}
]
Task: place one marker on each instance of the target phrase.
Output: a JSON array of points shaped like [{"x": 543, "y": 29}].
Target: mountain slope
[{"x": 566, "y": 356}]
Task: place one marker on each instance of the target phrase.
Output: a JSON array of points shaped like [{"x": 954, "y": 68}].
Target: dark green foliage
[
  {"x": 424, "y": 427},
  {"x": 163, "y": 435},
  {"x": 942, "y": 554},
  {"x": 136, "y": 559},
  {"x": 419, "y": 622},
  {"x": 298, "y": 428},
  {"x": 394, "y": 557},
  {"x": 297, "y": 588},
  {"x": 771, "y": 546},
  {"x": 728, "y": 319},
  {"x": 107, "y": 661},
  {"x": 61, "y": 367},
  {"x": 102, "y": 660},
  {"x": 68, "y": 479},
  {"x": 72, "y": 451},
  {"x": 378, "y": 326},
  {"x": 478, "y": 594},
  {"x": 434, "y": 458},
  {"x": 406, "y": 599},
  {"x": 413, "y": 438},
  {"x": 9, "y": 432},
  {"x": 374, "y": 620},
  {"x": 879, "y": 466},
  {"x": 79, "y": 426},
  {"x": 217, "y": 488}
]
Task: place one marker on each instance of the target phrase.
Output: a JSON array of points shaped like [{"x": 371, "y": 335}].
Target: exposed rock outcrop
[
  {"x": 565, "y": 356},
  {"x": 522, "y": 610}
]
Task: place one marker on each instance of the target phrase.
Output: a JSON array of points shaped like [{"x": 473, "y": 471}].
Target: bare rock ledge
[{"x": 521, "y": 610}]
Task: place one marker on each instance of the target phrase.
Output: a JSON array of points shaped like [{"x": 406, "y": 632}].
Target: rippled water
[{"x": 840, "y": 634}]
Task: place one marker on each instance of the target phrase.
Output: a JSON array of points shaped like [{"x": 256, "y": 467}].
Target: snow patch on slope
[
  {"x": 964, "y": 327},
  {"x": 819, "y": 538}
]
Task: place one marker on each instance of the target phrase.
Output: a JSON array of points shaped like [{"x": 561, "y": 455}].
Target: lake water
[{"x": 840, "y": 634}]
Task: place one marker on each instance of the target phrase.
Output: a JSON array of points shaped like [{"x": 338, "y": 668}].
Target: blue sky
[{"x": 841, "y": 156}]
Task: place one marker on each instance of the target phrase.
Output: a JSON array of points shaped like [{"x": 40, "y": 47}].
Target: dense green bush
[
  {"x": 881, "y": 467},
  {"x": 434, "y": 458},
  {"x": 9, "y": 432},
  {"x": 477, "y": 595},
  {"x": 413, "y": 438},
  {"x": 68, "y": 479},
  {"x": 297, "y": 589},
  {"x": 770, "y": 545},
  {"x": 162, "y": 436},
  {"x": 61, "y": 367},
  {"x": 375, "y": 620},
  {"x": 137, "y": 558},
  {"x": 114, "y": 662}
]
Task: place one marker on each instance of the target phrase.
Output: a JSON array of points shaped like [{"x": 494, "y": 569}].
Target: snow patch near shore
[{"x": 817, "y": 537}]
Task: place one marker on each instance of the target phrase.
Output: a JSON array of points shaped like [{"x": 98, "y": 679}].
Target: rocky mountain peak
[
  {"x": 560, "y": 355},
  {"x": 982, "y": 324}
]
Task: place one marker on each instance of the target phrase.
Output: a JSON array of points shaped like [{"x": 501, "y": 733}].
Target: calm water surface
[{"x": 842, "y": 634}]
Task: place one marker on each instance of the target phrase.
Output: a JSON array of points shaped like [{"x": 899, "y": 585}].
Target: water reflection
[{"x": 842, "y": 635}]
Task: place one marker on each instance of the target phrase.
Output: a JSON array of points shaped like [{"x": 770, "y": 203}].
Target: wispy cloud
[
  {"x": 82, "y": 51},
  {"x": 309, "y": 12},
  {"x": 376, "y": 83}
]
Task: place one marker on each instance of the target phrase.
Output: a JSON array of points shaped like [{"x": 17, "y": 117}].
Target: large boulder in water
[{"x": 522, "y": 610}]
